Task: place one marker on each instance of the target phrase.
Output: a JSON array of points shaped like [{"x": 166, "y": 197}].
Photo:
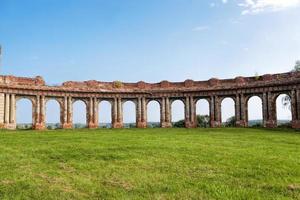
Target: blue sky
[{"x": 150, "y": 40}]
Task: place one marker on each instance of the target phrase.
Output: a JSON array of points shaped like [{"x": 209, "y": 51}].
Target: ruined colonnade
[{"x": 240, "y": 89}]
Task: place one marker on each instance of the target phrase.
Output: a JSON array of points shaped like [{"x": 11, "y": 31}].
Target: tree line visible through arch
[{"x": 254, "y": 108}]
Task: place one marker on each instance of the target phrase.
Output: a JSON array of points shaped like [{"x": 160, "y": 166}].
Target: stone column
[
  {"x": 43, "y": 113},
  {"x": 96, "y": 111},
  {"x": 91, "y": 114},
  {"x": 194, "y": 122},
  {"x": 36, "y": 113},
  {"x": 162, "y": 112},
  {"x": 6, "y": 109},
  {"x": 12, "y": 120},
  {"x": 240, "y": 111},
  {"x": 215, "y": 112},
  {"x": 166, "y": 113},
  {"x": 269, "y": 111},
  {"x": 144, "y": 111},
  {"x": 70, "y": 112},
  {"x": 66, "y": 113},
  {"x": 244, "y": 112},
  {"x": 2, "y": 109},
  {"x": 298, "y": 104},
  {"x": 38, "y": 120},
  {"x": 295, "y": 109},
  {"x": 117, "y": 113},
  {"x": 141, "y": 113},
  {"x": 114, "y": 112},
  {"x": 190, "y": 113}
]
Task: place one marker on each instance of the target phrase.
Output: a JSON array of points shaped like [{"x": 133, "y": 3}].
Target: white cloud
[
  {"x": 212, "y": 5},
  {"x": 257, "y": 6},
  {"x": 201, "y": 28},
  {"x": 224, "y": 1}
]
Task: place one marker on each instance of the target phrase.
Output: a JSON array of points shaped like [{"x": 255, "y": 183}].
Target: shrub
[
  {"x": 118, "y": 84},
  {"x": 203, "y": 121},
  {"x": 179, "y": 124},
  {"x": 230, "y": 122}
]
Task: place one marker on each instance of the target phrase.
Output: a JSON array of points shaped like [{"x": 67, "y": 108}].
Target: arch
[
  {"x": 254, "y": 111},
  {"x": 52, "y": 114},
  {"x": 177, "y": 113},
  {"x": 79, "y": 113},
  {"x": 129, "y": 114},
  {"x": 24, "y": 113},
  {"x": 202, "y": 112},
  {"x": 227, "y": 111},
  {"x": 283, "y": 113},
  {"x": 104, "y": 113},
  {"x": 153, "y": 114}
]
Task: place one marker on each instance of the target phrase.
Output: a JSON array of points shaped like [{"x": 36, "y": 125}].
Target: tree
[
  {"x": 230, "y": 122},
  {"x": 286, "y": 100},
  {"x": 203, "y": 121},
  {"x": 297, "y": 66},
  {"x": 179, "y": 124}
]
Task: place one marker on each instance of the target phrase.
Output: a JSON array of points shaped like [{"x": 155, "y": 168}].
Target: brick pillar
[
  {"x": 8, "y": 111},
  {"x": 190, "y": 113},
  {"x": 96, "y": 111},
  {"x": 165, "y": 113},
  {"x": 269, "y": 111},
  {"x": 295, "y": 108},
  {"x": 66, "y": 113},
  {"x": 92, "y": 113},
  {"x": 38, "y": 116},
  {"x": 12, "y": 120},
  {"x": 43, "y": 113},
  {"x": 2, "y": 109},
  {"x": 215, "y": 112},
  {"x": 117, "y": 113},
  {"x": 240, "y": 111},
  {"x": 141, "y": 113}
]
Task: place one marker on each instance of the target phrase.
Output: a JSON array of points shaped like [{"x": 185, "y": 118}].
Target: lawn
[{"x": 229, "y": 163}]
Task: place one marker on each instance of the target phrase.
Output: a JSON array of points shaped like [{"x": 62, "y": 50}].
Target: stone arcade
[{"x": 241, "y": 89}]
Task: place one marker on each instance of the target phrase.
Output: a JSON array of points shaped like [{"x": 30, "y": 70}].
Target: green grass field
[{"x": 150, "y": 164}]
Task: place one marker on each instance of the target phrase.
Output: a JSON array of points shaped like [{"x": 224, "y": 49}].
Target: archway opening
[
  {"x": 228, "y": 112},
  {"x": 104, "y": 114},
  {"x": 24, "y": 113},
  {"x": 129, "y": 114},
  {"x": 153, "y": 114},
  {"x": 283, "y": 111},
  {"x": 202, "y": 111},
  {"x": 52, "y": 114},
  {"x": 177, "y": 116},
  {"x": 79, "y": 114},
  {"x": 255, "y": 112}
]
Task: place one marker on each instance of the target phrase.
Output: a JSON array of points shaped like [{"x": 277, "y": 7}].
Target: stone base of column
[
  {"x": 38, "y": 127},
  {"x": 190, "y": 124},
  {"x": 67, "y": 126},
  {"x": 141, "y": 124},
  {"x": 241, "y": 123},
  {"x": 296, "y": 124},
  {"x": 270, "y": 124},
  {"x": 117, "y": 125},
  {"x": 92, "y": 126},
  {"x": 8, "y": 126},
  {"x": 165, "y": 124},
  {"x": 215, "y": 124}
]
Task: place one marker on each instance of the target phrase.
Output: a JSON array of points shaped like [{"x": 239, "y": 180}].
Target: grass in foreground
[{"x": 150, "y": 164}]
